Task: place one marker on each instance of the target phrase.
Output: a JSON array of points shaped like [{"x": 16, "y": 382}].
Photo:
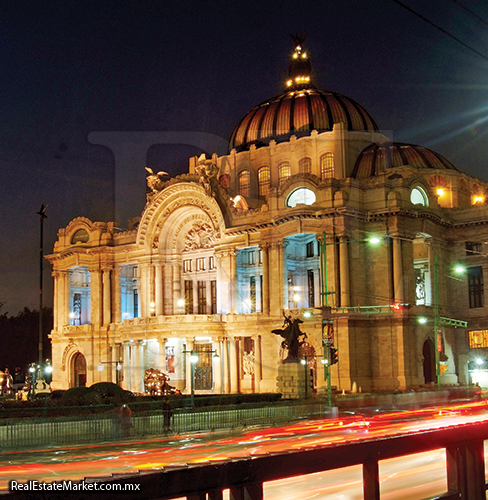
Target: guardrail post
[
  {"x": 251, "y": 491},
  {"x": 466, "y": 470},
  {"x": 371, "y": 483}
]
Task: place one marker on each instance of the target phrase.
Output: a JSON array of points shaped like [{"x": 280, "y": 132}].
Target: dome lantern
[{"x": 299, "y": 67}]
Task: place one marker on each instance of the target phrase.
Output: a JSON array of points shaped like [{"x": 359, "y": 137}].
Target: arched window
[
  {"x": 327, "y": 166},
  {"x": 245, "y": 183},
  {"x": 305, "y": 166},
  {"x": 284, "y": 172},
  {"x": 263, "y": 181},
  {"x": 301, "y": 195},
  {"x": 419, "y": 197},
  {"x": 81, "y": 236}
]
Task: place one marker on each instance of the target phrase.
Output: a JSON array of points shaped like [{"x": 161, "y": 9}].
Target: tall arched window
[
  {"x": 284, "y": 172},
  {"x": 245, "y": 183},
  {"x": 305, "y": 166},
  {"x": 327, "y": 166},
  {"x": 263, "y": 181}
]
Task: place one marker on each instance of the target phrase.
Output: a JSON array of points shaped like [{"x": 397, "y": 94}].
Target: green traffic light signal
[{"x": 334, "y": 356}]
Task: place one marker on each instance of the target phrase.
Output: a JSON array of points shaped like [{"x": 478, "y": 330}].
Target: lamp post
[{"x": 40, "y": 383}]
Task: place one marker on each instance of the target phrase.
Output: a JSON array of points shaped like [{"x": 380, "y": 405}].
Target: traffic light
[{"x": 334, "y": 356}]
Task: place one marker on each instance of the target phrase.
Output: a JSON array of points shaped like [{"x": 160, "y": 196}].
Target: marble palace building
[{"x": 283, "y": 224}]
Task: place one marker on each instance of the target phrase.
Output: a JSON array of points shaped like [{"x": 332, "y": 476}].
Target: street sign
[{"x": 328, "y": 342}]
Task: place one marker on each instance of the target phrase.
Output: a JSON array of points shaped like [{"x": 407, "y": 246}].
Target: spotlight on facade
[
  {"x": 374, "y": 240},
  {"x": 479, "y": 361},
  {"x": 440, "y": 192},
  {"x": 303, "y": 361},
  {"x": 100, "y": 368},
  {"x": 422, "y": 320},
  {"x": 181, "y": 302},
  {"x": 296, "y": 297},
  {"x": 307, "y": 314},
  {"x": 193, "y": 358},
  {"x": 460, "y": 269}
]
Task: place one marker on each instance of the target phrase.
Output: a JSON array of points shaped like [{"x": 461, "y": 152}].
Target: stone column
[
  {"x": 234, "y": 296},
  {"x": 274, "y": 274},
  {"x": 127, "y": 367},
  {"x": 284, "y": 275},
  {"x": 158, "y": 289},
  {"x": 223, "y": 282},
  {"x": 117, "y": 295},
  {"x": 133, "y": 367},
  {"x": 145, "y": 299},
  {"x": 141, "y": 368},
  {"x": 234, "y": 372},
  {"x": 96, "y": 297},
  {"x": 225, "y": 365},
  {"x": 344, "y": 276},
  {"x": 64, "y": 306},
  {"x": 189, "y": 349},
  {"x": 106, "y": 294},
  {"x": 398, "y": 271},
  {"x": 217, "y": 367},
  {"x": 55, "y": 275},
  {"x": 265, "y": 290},
  {"x": 169, "y": 303},
  {"x": 177, "y": 289},
  {"x": 257, "y": 362}
]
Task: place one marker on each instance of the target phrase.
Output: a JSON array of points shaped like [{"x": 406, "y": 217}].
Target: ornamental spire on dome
[{"x": 299, "y": 67}]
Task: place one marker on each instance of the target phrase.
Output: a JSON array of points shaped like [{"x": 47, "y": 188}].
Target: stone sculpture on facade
[
  {"x": 207, "y": 171},
  {"x": 293, "y": 337},
  {"x": 154, "y": 181}
]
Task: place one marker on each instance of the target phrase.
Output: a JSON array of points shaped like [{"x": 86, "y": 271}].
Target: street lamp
[{"x": 41, "y": 385}]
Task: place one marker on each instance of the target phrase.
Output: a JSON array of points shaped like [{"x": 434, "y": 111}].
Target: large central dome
[{"x": 298, "y": 111}]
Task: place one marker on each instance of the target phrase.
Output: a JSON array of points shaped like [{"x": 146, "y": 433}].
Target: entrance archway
[
  {"x": 79, "y": 370},
  {"x": 429, "y": 361}
]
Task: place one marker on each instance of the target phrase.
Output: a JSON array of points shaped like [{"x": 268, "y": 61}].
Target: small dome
[
  {"x": 298, "y": 112},
  {"x": 376, "y": 159}
]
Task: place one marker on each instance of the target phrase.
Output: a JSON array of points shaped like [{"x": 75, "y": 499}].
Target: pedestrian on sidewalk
[{"x": 167, "y": 414}]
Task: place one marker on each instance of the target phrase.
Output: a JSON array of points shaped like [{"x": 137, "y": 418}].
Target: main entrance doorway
[{"x": 79, "y": 370}]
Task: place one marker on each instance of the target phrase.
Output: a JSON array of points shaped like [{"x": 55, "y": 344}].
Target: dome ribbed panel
[
  {"x": 267, "y": 126},
  {"x": 301, "y": 115},
  {"x": 320, "y": 112},
  {"x": 283, "y": 117},
  {"x": 241, "y": 131},
  {"x": 337, "y": 110},
  {"x": 254, "y": 129},
  {"x": 377, "y": 159}
]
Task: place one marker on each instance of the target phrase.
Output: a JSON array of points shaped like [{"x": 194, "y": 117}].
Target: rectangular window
[
  {"x": 251, "y": 257},
  {"x": 475, "y": 287},
  {"x": 213, "y": 297},
  {"x": 473, "y": 248},
  {"x": 188, "y": 297},
  {"x": 202, "y": 297},
  {"x": 211, "y": 262},
  {"x": 252, "y": 293},
  {"x": 201, "y": 264},
  {"x": 311, "y": 249},
  {"x": 187, "y": 266},
  {"x": 260, "y": 256},
  {"x": 136, "y": 303},
  {"x": 311, "y": 288}
]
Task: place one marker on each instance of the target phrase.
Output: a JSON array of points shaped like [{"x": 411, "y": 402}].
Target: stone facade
[{"x": 220, "y": 252}]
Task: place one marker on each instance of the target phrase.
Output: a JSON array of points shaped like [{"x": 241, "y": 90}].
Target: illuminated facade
[{"x": 220, "y": 252}]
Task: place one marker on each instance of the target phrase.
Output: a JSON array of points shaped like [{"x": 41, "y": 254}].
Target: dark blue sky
[{"x": 71, "y": 69}]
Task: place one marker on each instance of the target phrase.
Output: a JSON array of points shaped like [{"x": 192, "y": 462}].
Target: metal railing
[
  {"x": 245, "y": 477},
  {"x": 35, "y": 432}
]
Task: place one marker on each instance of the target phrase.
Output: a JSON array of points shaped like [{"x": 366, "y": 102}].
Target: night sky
[{"x": 77, "y": 73}]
